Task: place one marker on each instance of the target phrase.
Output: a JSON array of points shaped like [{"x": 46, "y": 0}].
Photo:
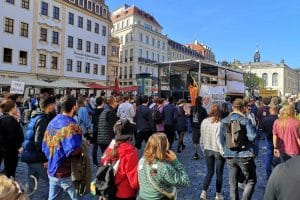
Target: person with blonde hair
[
  {"x": 210, "y": 143},
  {"x": 286, "y": 134},
  {"x": 11, "y": 190},
  {"x": 159, "y": 170}
]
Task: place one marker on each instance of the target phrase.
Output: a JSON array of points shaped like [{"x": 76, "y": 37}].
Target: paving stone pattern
[{"x": 196, "y": 170}]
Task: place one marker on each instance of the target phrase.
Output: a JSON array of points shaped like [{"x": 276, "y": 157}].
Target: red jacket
[{"x": 127, "y": 174}]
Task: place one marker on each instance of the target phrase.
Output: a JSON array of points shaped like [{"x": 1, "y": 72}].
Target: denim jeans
[
  {"x": 212, "y": 157},
  {"x": 56, "y": 185},
  {"x": 269, "y": 156},
  {"x": 38, "y": 171},
  {"x": 248, "y": 168}
]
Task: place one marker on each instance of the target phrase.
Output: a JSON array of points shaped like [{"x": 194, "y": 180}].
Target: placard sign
[
  {"x": 211, "y": 94},
  {"x": 17, "y": 87}
]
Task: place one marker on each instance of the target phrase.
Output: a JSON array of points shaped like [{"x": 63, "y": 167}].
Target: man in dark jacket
[
  {"x": 32, "y": 154},
  {"x": 169, "y": 119},
  {"x": 144, "y": 122},
  {"x": 267, "y": 128},
  {"x": 106, "y": 123},
  {"x": 95, "y": 119}
]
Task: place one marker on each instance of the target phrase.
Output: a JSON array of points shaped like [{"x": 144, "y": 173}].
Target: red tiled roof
[{"x": 133, "y": 10}]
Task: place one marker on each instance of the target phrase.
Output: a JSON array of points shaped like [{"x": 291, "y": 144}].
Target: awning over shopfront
[
  {"x": 67, "y": 84},
  {"x": 5, "y": 81},
  {"x": 33, "y": 82},
  {"x": 97, "y": 86},
  {"x": 128, "y": 89}
]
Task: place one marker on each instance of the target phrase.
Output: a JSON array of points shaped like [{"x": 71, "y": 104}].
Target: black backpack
[
  {"x": 236, "y": 134},
  {"x": 105, "y": 182},
  {"x": 157, "y": 115}
]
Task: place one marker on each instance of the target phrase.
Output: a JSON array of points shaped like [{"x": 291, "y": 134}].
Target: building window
[
  {"x": 44, "y": 9},
  {"x": 103, "y": 30},
  {"x": 55, "y": 37},
  {"x": 9, "y": 25},
  {"x": 7, "y": 55},
  {"x": 127, "y": 22},
  {"x": 95, "y": 69},
  {"x": 96, "y": 48},
  {"x": 163, "y": 46},
  {"x": 87, "y": 68},
  {"x": 80, "y": 22},
  {"x": 152, "y": 56},
  {"x": 23, "y": 58},
  {"x": 265, "y": 78},
  {"x": 42, "y": 60},
  {"x": 56, "y": 12},
  {"x": 89, "y": 25},
  {"x": 70, "y": 41},
  {"x": 10, "y": 1},
  {"x": 147, "y": 54},
  {"x": 104, "y": 12},
  {"x": 141, "y": 37},
  {"x": 275, "y": 79},
  {"x": 81, "y": 2},
  {"x": 113, "y": 51},
  {"x": 120, "y": 73},
  {"x": 157, "y": 57},
  {"x": 25, "y": 4},
  {"x": 43, "y": 34},
  {"x": 125, "y": 72},
  {"x": 131, "y": 54},
  {"x": 126, "y": 55},
  {"x": 97, "y": 28},
  {"x": 24, "y": 29},
  {"x": 103, "y": 70},
  {"x": 71, "y": 18},
  {"x": 79, "y": 66},
  {"x": 103, "y": 50},
  {"x": 141, "y": 53},
  {"x": 79, "y": 44},
  {"x": 89, "y": 5},
  {"x": 147, "y": 39},
  {"x": 88, "y": 46},
  {"x": 97, "y": 9},
  {"x": 153, "y": 42},
  {"x": 158, "y": 44},
  {"x": 69, "y": 65},
  {"x": 54, "y": 62},
  {"x": 130, "y": 72}
]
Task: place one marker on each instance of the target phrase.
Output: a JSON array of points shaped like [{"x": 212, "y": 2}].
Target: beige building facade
[{"x": 113, "y": 60}]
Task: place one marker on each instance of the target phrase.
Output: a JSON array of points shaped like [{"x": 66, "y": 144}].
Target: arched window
[
  {"x": 275, "y": 79},
  {"x": 265, "y": 78}
]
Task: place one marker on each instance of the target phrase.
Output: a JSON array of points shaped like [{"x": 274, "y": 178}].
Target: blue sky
[{"x": 232, "y": 28}]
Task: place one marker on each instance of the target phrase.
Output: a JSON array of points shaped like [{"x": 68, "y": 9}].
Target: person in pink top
[{"x": 286, "y": 134}]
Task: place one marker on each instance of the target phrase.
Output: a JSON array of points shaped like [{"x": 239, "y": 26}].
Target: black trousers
[
  {"x": 95, "y": 151},
  {"x": 10, "y": 159},
  {"x": 142, "y": 136},
  {"x": 170, "y": 132}
]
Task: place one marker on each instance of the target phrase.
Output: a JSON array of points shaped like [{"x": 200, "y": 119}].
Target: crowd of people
[{"x": 60, "y": 133}]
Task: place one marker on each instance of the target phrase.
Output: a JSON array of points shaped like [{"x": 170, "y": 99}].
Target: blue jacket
[
  {"x": 144, "y": 119},
  {"x": 251, "y": 134},
  {"x": 84, "y": 120},
  {"x": 33, "y": 139},
  {"x": 169, "y": 114}
]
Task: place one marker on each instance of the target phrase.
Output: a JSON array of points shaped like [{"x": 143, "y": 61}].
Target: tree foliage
[{"x": 253, "y": 82}]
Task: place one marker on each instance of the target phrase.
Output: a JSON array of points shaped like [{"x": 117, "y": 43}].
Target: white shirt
[{"x": 126, "y": 111}]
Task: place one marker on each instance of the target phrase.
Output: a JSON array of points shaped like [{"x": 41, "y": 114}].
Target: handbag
[{"x": 170, "y": 196}]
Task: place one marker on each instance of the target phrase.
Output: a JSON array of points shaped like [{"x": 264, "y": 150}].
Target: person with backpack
[
  {"x": 237, "y": 135},
  {"x": 198, "y": 114},
  {"x": 169, "y": 120},
  {"x": 158, "y": 115},
  {"x": 211, "y": 146},
  {"x": 32, "y": 153},
  {"x": 11, "y": 137},
  {"x": 123, "y": 155},
  {"x": 106, "y": 123},
  {"x": 144, "y": 122},
  {"x": 159, "y": 170}
]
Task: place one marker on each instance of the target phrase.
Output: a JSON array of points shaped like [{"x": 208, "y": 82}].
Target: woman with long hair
[
  {"x": 211, "y": 146},
  {"x": 11, "y": 190},
  {"x": 286, "y": 134},
  {"x": 159, "y": 170},
  {"x": 122, "y": 150},
  {"x": 198, "y": 114}
]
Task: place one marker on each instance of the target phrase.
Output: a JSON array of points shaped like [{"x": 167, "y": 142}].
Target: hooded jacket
[
  {"x": 127, "y": 175},
  {"x": 33, "y": 139}
]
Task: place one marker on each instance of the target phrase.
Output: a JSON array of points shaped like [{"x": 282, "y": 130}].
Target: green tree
[{"x": 253, "y": 82}]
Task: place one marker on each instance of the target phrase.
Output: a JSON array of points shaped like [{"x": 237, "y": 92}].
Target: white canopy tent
[{"x": 67, "y": 84}]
